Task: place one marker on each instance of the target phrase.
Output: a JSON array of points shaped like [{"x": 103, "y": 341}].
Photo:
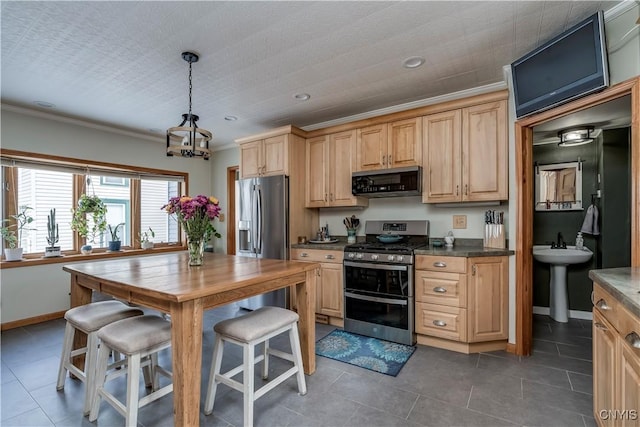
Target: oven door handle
[
  {"x": 376, "y": 266},
  {"x": 376, "y": 299}
]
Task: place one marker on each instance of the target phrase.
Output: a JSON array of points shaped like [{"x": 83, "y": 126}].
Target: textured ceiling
[{"x": 119, "y": 63}]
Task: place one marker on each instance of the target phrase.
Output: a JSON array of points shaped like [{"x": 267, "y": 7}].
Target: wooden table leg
[
  {"x": 79, "y": 296},
  {"x": 186, "y": 341},
  {"x": 306, "y": 303}
]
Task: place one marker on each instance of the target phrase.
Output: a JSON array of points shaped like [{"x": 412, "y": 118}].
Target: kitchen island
[{"x": 166, "y": 283}]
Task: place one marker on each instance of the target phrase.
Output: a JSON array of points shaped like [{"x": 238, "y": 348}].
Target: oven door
[
  {"x": 378, "y": 301},
  {"x": 382, "y": 280}
]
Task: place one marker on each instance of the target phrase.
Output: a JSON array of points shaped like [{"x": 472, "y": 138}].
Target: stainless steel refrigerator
[{"x": 262, "y": 211}]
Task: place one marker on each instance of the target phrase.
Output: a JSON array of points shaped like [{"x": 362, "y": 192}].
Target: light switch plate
[
  {"x": 221, "y": 218},
  {"x": 459, "y": 221}
]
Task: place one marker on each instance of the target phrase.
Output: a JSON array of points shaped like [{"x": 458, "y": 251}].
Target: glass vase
[{"x": 196, "y": 251}]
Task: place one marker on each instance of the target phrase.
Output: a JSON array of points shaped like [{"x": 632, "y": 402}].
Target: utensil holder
[
  {"x": 494, "y": 236},
  {"x": 351, "y": 236}
]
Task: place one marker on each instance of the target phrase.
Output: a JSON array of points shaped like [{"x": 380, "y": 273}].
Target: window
[
  {"x": 132, "y": 197},
  {"x": 153, "y": 195}
]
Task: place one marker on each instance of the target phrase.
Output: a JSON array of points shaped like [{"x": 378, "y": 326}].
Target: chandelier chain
[{"x": 190, "y": 87}]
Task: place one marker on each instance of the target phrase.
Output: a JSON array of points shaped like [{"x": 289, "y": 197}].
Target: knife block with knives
[{"x": 494, "y": 235}]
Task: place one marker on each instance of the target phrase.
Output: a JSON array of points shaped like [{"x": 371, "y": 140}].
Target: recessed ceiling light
[
  {"x": 302, "y": 96},
  {"x": 230, "y": 118},
  {"x": 413, "y": 62},
  {"x": 44, "y": 104}
]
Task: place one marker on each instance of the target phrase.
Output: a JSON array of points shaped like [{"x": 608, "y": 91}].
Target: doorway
[
  {"x": 525, "y": 196},
  {"x": 232, "y": 177}
]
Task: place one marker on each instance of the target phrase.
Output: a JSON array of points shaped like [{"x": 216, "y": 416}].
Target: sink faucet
[{"x": 561, "y": 244}]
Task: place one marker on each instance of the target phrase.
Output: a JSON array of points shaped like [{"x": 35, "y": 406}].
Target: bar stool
[
  {"x": 139, "y": 339},
  {"x": 248, "y": 331},
  {"x": 88, "y": 318}
]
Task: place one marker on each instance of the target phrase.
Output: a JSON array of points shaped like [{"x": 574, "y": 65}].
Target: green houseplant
[
  {"x": 89, "y": 207},
  {"x": 22, "y": 220},
  {"x": 145, "y": 239},
  {"x": 52, "y": 236},
  {"x": 114, "y": 243}
]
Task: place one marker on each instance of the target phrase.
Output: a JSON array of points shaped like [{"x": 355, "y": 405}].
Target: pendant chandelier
[{"x": 187, "y": 139}]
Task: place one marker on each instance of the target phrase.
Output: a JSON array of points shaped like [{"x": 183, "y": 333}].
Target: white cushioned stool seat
[
  {"x": 88, "y": 318},
  {"x": 256, "y": 324},
  {"x": 139, "y": 339},
  {"x": 248, "y": 331}
]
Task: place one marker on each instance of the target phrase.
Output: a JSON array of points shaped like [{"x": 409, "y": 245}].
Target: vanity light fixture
[
  {"x": 413, "y": 62},
  {"x": 190, "y": 140},
  {"x": 575, "y": 136}
]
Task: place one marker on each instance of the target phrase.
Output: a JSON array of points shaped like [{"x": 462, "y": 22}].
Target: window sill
[{"x": 75, "y": 257}]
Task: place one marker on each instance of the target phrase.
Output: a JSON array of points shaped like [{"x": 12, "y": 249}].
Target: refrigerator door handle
[
  {"x": 254, "y": 217},
  {"x": 260, "y": 218}
]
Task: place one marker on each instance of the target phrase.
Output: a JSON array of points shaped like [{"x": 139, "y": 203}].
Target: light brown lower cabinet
[
  {"x": 462, "y": 303},
  {"x": 616, "y": 362},
  {"x": 329, "y": 290}
]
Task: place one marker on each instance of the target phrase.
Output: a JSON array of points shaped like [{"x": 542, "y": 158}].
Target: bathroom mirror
[{"x": 558, "y": 187}]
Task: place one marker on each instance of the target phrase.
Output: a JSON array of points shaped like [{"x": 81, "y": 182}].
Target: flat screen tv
[{"x": 569, "y": 66}]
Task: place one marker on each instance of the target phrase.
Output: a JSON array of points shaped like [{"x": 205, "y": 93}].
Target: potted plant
[
  {"x": 94, "y": 207},
  {"x": 145, "y": 239},
  {"x": 114, "y": 244},
  {"x": 52, "y": 236},
  {"x": 22, "y": 220}
]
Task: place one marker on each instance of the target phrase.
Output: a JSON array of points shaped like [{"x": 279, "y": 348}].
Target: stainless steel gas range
[{"x": 378, "y": 280}]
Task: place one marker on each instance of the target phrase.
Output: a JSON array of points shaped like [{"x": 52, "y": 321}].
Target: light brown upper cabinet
[
  {"x": 329, "y": 160},
  {"x": 465, "y": 154},
  {"x": 389, "y": 145},
  {"x": 264, "y": 157}
]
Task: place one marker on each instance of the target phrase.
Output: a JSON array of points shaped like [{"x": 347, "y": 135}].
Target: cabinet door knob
[
  {"x": 439, "y": 289},
  {"x": 325, "y": 197},
  {"x": 457, "y": 190},
  {"x": 633, "y": 339},
  {"x": 602, "y": 305},
  {"x": 466, "y": 189},
  {"x": 439, "y": 264},
  {"x": 389, "y": 160},
  {"x": 440, "y": 323}
]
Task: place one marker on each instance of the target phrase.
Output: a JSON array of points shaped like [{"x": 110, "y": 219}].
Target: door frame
[
  {"x": 232, "y": 171},
  {"x": 525, "y": 200}
]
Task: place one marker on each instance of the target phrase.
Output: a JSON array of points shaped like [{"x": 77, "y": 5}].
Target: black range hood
[{"x": 398, "y": 182}]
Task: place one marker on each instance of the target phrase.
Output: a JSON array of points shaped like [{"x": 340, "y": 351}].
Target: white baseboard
[{"x": 573, "y": 314}]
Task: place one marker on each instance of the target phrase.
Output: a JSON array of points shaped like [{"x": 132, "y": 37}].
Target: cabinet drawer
[
  {"x": 606, "y": 305},
  {"x": 441, "y": 321},
  {"x": 448, "y": 264},
  {"x": 441, "y": 288},
  {"x": 317, "y": 255},
  {"x": 629, "y": 328}
]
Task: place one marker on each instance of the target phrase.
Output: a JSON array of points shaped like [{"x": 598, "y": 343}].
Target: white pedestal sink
[{"x": 559, "y": 259}]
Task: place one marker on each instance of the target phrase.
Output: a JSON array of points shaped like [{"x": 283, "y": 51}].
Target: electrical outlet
[
  {"x": 459, "y": 221},
  {"x": 221, "y": 217}
]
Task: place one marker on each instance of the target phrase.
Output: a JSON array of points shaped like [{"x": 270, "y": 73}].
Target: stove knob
[
  {"x": 359, "y": 256},
  {"x": 400, "y": 258},
  {"x": 391, "y": 257},
  {"x": 374, "y": 257},
  {"x": 352, "y": 255}
]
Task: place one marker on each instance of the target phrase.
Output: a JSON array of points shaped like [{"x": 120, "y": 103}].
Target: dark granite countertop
[
  {"x": 465, "y": 248},
  {"x": 622, "y": 283},
  {"x": 463, "y": 251},
  {"x": 337, "y": 246}
]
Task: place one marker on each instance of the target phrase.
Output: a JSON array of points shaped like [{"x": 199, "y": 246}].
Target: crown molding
[
  {"x": 619, "y": 9},
  {"x": 493, "y": 87},
  {"x": 80, "y": 122}
]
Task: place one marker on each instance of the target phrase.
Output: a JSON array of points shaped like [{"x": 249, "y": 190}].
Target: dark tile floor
[{"x": 553, "y": 387}]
